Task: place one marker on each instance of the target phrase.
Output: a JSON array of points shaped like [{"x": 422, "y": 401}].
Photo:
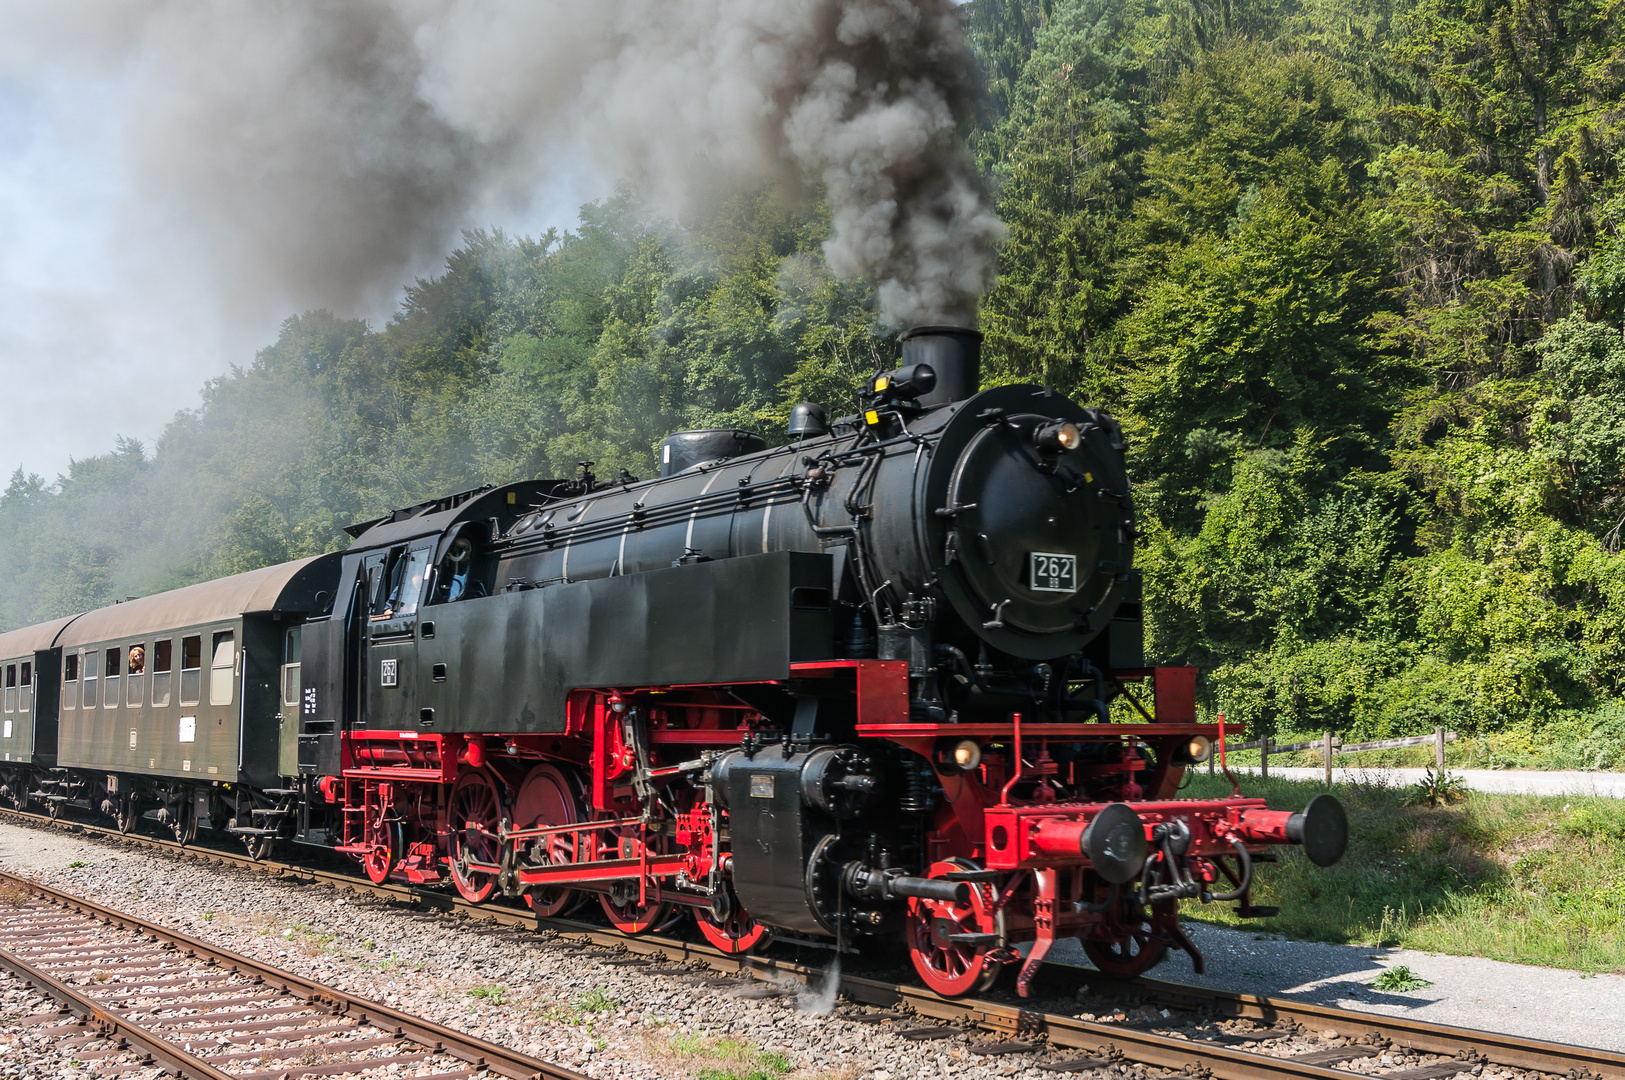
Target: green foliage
[
  {"x": 1399, "y": 979},
  {"x": 1350, "y": 274},
  {"x": 1532, "y": 880},
  {"x": 1438, "y": 788}
]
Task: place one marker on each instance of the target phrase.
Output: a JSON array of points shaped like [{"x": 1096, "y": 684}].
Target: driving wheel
[
  {"x": 734, "y": 932},
  {"x": 548, "y": 797},
  {"x": 476, "y": 819}
]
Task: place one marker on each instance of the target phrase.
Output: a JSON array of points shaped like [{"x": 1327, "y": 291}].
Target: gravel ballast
[{"x": 574, "y": 1007}]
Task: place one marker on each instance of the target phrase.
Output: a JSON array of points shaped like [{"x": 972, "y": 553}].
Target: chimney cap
[{"x": 924, "y": 331}]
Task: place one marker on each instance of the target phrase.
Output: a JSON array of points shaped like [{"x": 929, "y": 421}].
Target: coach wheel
[
  {"x": 735, "y": 932},
  {"x": 129, "y": 814},
  {"x": 547, "y": 798},
  {"x": 261, "y": 848},
  {"x": 388, "y": 845},
  {"x": 184, "y": 822},
  {"x": 476, "y": 818},
  {"x": 954, "y": 968}
]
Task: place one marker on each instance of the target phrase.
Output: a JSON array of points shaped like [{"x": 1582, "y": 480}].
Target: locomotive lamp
[
  {"x": 905, "y": 383},
  {"x": 964, "y": 755},
  {"x": 1194, "y": 752},
  {"x": 1058, "y": 437}
]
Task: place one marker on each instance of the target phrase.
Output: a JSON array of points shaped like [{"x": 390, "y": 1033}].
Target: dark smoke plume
[{"x": 325, "y": 150}]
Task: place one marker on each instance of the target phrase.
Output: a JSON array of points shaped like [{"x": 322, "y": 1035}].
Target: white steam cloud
[{"x": 326, "y": 150}]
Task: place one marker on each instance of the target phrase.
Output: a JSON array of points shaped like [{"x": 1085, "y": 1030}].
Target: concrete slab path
[{"x": 1510, "y": 781}]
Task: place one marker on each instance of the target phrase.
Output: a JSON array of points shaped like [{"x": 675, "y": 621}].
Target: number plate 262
[{"x": 1053, "y": 573}]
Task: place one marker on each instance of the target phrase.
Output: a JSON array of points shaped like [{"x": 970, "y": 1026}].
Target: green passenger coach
[
  {"x": 172, "y": 702},
  {"x": 29, "y": 669}
]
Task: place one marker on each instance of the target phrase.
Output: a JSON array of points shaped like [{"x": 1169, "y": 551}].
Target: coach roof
[
  {"x": 290, "y": 587},
  {"x": 25, "y": 640}
]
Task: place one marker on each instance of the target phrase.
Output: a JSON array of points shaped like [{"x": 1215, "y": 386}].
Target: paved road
[
  {"x": 1512, "y": 781},
  {"x": 1466, "y": 991}
]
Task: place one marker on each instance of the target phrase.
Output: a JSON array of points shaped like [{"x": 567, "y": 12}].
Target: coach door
[
  {"x": 289, "y": 697},
  {"x": 392, "y": 638}
]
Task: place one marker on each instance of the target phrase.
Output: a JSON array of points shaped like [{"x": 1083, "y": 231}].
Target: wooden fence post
[
  {"x": 1264, "y": 757},
  {"x": 1438, "y": 749},
  {"x": 1328, "y": 753}
]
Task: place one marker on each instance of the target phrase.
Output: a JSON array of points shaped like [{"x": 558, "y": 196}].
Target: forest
[{"x": 1350, "y": 274}]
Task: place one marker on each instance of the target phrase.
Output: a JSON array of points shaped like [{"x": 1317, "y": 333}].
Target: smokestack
[{"x": 954, "y": 353}]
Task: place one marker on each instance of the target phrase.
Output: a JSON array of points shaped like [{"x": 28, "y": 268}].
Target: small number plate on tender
[
  {"x": 1053, "y": 573},
  {"x": 387, "y": 672},
  {"x": 761, "y": 787}
]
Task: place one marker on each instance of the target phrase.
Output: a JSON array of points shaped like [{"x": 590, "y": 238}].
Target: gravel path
[
  {"x": 576, "y": 1008},
  {"x": 545, "y": 997},
  {"x": 1509, "y": 781}
]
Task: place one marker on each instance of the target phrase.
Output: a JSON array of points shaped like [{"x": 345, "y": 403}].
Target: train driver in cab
[{"x": 454, "y": 572}]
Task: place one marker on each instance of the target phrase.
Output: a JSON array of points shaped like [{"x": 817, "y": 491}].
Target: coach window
[
  {"x": 163, "y": 660},
  {"x": 110, "y": 675},
  {"x": 135, "y": 667},
  {"x": 222, "y": 667},
  {"x": 290, "y": 669},
  {"x": 191, "y": 669},
  {"x": 11, "y": 688},
  {"x": 91, "y": 663},
  {"x": 70, "y": 681},
  {"x": 25, "y": 689}
]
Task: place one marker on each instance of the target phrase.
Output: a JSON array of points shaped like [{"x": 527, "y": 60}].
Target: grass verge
[
  {"x": 1523, "y": 878},
  {"x": 707, "y": 1058}
]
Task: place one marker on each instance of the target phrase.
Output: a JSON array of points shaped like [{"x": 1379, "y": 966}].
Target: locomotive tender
[{"x": 858, "y": 684}]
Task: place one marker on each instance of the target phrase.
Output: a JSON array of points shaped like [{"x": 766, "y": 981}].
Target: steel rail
[
  {"x": 1066, "y": 1031},
  {"x": 477, "y": 1052},
  {"x": 110, "y": 1024}
]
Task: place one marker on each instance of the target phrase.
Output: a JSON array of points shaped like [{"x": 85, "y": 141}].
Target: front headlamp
[{"x": 1059, "y": 437}]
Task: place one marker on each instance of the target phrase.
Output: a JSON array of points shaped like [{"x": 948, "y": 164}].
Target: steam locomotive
[{"x": 884, "y": 680}]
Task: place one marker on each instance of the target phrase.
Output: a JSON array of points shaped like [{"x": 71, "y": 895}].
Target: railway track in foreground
[
  {"x": 127, "y": 984},
  {"x": 1152, "y": 1026}
]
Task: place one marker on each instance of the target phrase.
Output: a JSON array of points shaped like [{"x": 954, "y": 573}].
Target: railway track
[
  {"x": 1154, "y": 1026},
  {"x": 208, "y": 1014}
]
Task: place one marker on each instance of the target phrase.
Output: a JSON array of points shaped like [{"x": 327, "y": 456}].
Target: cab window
[
  {"x": 222, "y": 668},
  {"x": 459, "y": 577},
  {"x": 403, "y": 585}
]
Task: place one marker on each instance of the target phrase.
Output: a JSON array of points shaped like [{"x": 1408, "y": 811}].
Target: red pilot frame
[{"x": 1034, "y": 831}]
